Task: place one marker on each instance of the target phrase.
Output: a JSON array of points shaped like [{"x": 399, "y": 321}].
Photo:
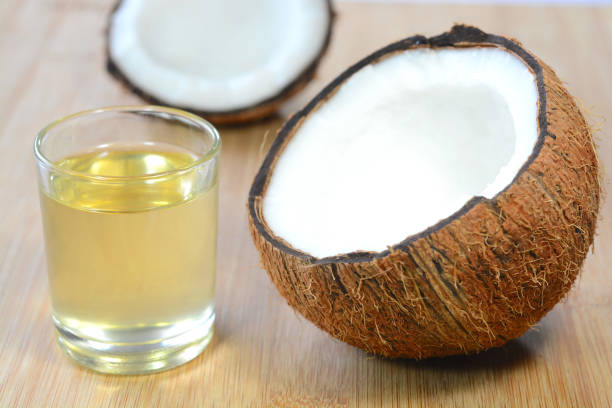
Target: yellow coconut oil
[{"x": 131, "y": 244}]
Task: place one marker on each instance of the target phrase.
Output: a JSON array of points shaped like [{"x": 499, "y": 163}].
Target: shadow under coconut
[
  {"x": 514, "y": 353},
  {"x": 274, "y": 120},
  {"x": 448, "y": 377}
]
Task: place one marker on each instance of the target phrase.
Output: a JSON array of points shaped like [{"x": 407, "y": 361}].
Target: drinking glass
[{"x": 129, "y": 207}]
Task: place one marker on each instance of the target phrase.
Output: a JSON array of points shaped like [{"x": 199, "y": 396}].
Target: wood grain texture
[{"x": 264, "y": 354}]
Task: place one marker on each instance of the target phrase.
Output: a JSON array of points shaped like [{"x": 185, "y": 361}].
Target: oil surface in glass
[{"x": 131, "y": 263}]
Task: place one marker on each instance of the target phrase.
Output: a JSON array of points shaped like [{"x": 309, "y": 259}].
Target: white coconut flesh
[
  {"x": 216, "y": 55},
  {"x": 403, "y": 144}
]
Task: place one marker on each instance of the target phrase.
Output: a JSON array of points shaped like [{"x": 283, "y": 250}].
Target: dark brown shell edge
[
  {"x": 259, "y": 111},
  {"x": 473, "y": 281}
]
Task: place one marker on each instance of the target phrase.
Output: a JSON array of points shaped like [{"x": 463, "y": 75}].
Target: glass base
[{"x": 135, "y": 358}]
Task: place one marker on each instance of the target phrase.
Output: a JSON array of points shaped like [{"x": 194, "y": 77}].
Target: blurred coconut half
[{"x": 229, "y": 60}]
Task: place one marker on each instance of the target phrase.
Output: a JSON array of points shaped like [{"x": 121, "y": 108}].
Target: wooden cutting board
[{"x": 264, "y": 354}]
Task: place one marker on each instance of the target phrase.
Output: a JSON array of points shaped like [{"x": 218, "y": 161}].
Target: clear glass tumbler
[{"x": 129, "y": 208}]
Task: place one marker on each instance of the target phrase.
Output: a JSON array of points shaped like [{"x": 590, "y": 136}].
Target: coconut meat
[
  {"x": 216, "y": 55},
  {"x": 401, "y": 145}
]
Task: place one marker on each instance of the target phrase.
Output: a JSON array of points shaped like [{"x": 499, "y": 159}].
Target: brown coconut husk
[
  {"x": 474, "y": 280},
  {"x": 259, "y": 111}
]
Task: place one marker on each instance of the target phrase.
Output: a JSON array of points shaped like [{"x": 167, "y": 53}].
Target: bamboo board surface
[{"x": 264, "y": 354}]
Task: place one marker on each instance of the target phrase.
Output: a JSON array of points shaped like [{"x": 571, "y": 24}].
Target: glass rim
[{"x": 201, "y": 123}]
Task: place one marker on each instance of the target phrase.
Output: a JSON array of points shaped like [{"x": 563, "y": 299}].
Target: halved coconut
[
  {"x": 228, "y": 60},
  {"x": 438, "y": 197}
]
